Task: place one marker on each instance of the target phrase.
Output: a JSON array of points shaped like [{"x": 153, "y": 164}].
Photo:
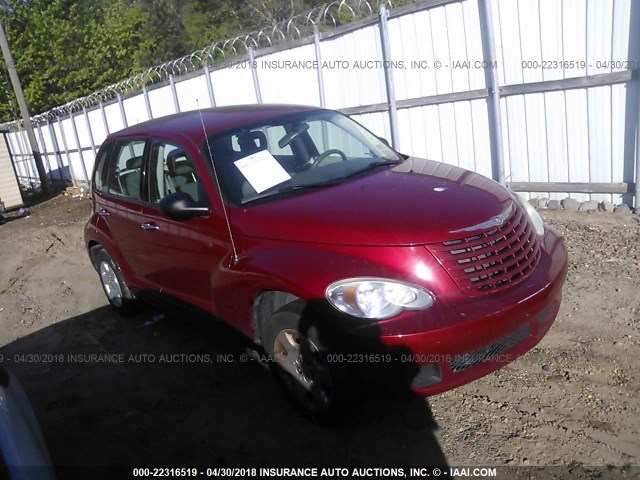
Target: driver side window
[{"x": 172, "y": 171}]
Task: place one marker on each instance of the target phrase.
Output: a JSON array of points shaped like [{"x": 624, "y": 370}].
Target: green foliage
[
  {"x": 64, "y": 49},
  {"x": 208, "y": 21}
]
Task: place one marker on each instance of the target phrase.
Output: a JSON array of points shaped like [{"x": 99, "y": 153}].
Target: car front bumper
[
  {"x": 462, "y": 338},
  {"x": 499, "y": 328},
  {"x": 439, "y": 372}
]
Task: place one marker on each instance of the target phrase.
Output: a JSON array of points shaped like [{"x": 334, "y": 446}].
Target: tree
[
  {"x": 272, "y": 12},
  {"x": 65, "y": 49},
  {"x": 208, "y": 21},
  {"x": 162, "y": 32},
  {"x": 116, "y": 38}
]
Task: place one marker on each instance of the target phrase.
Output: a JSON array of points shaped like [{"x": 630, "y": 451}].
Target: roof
[{"x": 215, "y": 120}]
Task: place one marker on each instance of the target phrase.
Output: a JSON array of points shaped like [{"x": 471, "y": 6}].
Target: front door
[{"x": 186, "y": 254}]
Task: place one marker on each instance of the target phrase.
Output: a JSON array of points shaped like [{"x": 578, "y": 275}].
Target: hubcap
[
  {"x": 111, "y": 284},
  {"x": 307, "y": 374}
]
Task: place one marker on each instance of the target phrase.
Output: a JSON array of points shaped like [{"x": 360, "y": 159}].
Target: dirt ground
[{"x": 184, "y": 398}]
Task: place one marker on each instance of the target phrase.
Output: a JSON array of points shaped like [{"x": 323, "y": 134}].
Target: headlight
[
  {"x": 376, "y": 298},
  {"x": 534, "y": 216}
]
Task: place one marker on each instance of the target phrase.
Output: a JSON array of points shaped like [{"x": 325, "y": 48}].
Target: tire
[
  {"x": 123, "y": 301},
  {"x": 298, "y": 360}
]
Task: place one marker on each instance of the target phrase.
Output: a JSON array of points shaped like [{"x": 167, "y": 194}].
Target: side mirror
[
  {"x": 385, "y": 141},
  {"x": 180, "y": 206}
]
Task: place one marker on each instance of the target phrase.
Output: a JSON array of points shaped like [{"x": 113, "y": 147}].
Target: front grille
[
  {"x": 467, "y": 360},
  {"x": 497, "y": 258}
]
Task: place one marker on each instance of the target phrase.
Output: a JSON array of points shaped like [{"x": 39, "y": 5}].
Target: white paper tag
[{"x": 262, "y": 170}]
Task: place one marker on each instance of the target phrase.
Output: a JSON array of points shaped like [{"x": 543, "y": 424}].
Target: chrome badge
[{"x": 496, "y": 221}]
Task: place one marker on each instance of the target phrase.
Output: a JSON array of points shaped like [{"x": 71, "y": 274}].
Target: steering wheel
[{"x": 332, "y": 151}]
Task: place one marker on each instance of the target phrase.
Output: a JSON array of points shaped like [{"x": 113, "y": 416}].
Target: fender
[
  {"x": 97, "y": 231},
  {"x": 304, "y": 270}
]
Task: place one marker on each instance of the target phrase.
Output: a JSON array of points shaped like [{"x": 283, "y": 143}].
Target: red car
[{"x": 342, "y": 258}]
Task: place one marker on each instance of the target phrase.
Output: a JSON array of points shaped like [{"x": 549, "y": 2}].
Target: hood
[{"x": 416, "y": 202}]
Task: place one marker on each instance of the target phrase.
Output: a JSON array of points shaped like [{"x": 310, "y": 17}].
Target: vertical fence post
[
  {"x": 26, "y": 158},
  {"x": 16, "y": 154},
  {"x": 21, "y": 155},
  {"x": 66, "y": 151},
  {"x": 637, "y": 177},
  {"x": 207, "y": 77},
  {"x": 56, "y": 148},
  {"x": 174, "y": 93},
  {"x": 147, "y": 103},
  {"x": 77, "y": 138},
  {"x": 254, "y": 74},
  {"x": 388, "y": 76},
  {"x": 493, "y": 89},
  {"x": 44, "y": 154},
  {"x": 93, "y": 143},
  {"x": 316, "y": 43},
  {"x": 104, "y": 118},
  {"x": 122, "y": 112}
]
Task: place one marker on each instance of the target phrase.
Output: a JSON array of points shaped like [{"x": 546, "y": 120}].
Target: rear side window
[
  {"x": 125, "y": 170},
  {"x": 100, "y": 171}
]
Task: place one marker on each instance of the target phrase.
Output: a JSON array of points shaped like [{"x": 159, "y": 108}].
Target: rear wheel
[
  {"x": 123, "y": 301},
  {"x": 299, "y": 363}
]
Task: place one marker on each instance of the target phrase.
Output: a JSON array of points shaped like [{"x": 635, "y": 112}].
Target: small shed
[{"x": 9, "y": 190}]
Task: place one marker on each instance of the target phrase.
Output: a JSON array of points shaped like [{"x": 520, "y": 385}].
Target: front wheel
[
  {"x": 299, "y": 363},
  {"x": 123, "y": 301}
]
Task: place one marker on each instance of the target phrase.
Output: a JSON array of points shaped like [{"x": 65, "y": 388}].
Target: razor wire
[{"x": 322, "y": 17}]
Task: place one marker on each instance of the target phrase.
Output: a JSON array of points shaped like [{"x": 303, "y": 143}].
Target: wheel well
[
  {"x": 266, "y": 304},
  {"x": 94, "y": 248}
]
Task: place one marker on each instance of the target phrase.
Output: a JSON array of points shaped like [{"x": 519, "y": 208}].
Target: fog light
[{"x": 427, "y": 375}]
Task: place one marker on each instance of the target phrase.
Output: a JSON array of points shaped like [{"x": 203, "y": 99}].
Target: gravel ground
[{"x": 572, "y": 401}]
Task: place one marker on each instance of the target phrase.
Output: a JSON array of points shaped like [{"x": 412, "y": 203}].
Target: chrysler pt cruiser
[{"x": 344, "y": 260}]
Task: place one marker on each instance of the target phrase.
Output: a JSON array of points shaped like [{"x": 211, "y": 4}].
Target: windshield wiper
[
  {"x": 370, "y": 166},
  {"x": 287, "y": 189},
  {"x": 334, "y": 181},
  {"x": 291, "y": 188}
]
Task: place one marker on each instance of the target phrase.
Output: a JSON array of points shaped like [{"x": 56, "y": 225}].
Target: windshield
[{"x": 294, "y": 153}]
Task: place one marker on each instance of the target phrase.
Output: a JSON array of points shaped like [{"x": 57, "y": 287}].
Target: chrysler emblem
[{"x": 496, "y": 221}]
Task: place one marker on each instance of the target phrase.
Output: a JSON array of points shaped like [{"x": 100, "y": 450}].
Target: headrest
[
  {"x": 134, "y": 163},
  {"x": 178, "y": 164},
  {"x": 251, "y": 142}
]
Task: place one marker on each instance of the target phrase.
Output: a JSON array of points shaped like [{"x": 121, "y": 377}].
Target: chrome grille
[
  {"x": 496, "y": 258},
  {"x": 467, "y": 360}
]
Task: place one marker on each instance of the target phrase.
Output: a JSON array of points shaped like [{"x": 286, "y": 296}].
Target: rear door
[{"x": 120, "y": 206}]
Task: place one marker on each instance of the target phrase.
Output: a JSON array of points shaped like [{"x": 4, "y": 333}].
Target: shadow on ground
[{"x": 174, "y": 392}]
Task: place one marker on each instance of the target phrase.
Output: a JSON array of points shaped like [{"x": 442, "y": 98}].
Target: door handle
[
  {"x": 150, "y": 226},
  {"x": 103, "y": 212}
]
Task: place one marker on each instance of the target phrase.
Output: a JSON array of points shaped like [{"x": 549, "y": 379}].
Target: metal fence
[{"x": 540, "y": 94}]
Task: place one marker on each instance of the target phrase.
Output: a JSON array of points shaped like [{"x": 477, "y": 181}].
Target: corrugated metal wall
[
  {"x": 559, "y": 135},
  {"x": 572, "y": 136}
]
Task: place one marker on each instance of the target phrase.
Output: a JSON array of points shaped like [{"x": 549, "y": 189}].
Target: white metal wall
[
  {"x": 572, "y": 136},
  {"x": 563, "y": 136}
]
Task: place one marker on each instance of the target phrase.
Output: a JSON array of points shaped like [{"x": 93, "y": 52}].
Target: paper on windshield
[{"x": 262, "y": 170}]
